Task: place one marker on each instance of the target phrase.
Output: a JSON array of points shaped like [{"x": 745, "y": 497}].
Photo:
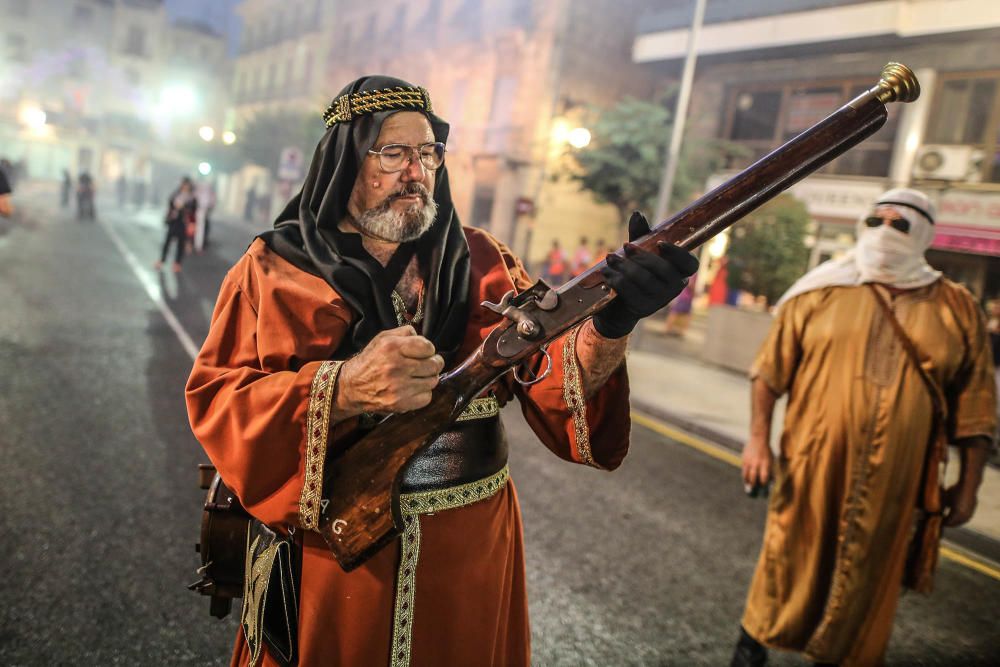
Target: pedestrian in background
[
  {"x": 121, "y": 186},
  {"x": 181, "y": 209},
  {"x": 65, "y": 189},
  {"x": 555, "y": 265},
  {"x": 679, "y": 315},
  {"x": 251, "y": 203},
  {"x": 85, "y": 191},
  {"x": 582, "y": 257},
  {"x": 885, "y": 362},
  {"x": 205, "y": 194},
  {"x": 6, "y": 208}
]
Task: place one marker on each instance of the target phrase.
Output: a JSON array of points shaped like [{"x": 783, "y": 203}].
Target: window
[
  {"x": 17, "y": 7},
  {"x": 499, "y": 133},
  {"x": 135, "y": 41},
  {"x": 964, "y": 107},
  {"x": 762, "y": 117},
  {"x": 82, "y": 15},
  {"x": 755, "y": 115},
  {"x": 16, "y": 48},
  {"x": 966, "y": 111}
]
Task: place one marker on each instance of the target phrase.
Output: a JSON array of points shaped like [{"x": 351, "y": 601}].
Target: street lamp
[
  {"x": 579, "y": 137},
  {"x": 178, "y": 99},
  {"x": 33, "y": 117},
  {"x": 228, "y": 137},
  {"x": 206, "y": 133}
]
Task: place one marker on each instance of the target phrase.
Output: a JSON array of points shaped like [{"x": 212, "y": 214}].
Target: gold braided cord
[{"x": 347, "y": 107}]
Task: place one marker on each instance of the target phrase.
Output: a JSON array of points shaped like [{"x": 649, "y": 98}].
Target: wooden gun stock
[{"x": 361, "y": 512}]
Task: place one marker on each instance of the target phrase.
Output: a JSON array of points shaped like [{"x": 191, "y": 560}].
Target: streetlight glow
[
  {"x": 204, "y": 169},
  {"x": 228, "y": 137},
  {"x": 206, "y": 133},
  {"x": 579, "y": 137},
  {"x": 178, "y": 99},
  {"x": 33, "y": 117}
]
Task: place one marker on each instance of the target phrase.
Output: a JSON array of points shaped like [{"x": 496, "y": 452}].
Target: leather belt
[{"x": 474, "y": 448}]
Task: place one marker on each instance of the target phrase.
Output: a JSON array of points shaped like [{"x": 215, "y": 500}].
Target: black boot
[{"x": 749, "y": 652}]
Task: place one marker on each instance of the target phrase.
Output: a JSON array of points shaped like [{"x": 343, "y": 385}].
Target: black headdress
[{"x": 306, "y": 233}]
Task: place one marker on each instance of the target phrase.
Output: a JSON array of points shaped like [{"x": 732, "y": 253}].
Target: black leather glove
[{"x": 643, "y": 281}]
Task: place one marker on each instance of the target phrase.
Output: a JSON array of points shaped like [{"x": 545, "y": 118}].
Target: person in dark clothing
[
  {"x": 6, "y": 210},
  {"x": 85, "y": 197},
  {"x": 66, "y": 189},
  {"x": 251, "y": 204},
  {"x": 181, "y": 209}
]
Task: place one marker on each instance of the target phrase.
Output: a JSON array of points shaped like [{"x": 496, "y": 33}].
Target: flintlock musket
[{"x": 361, "y": 511}]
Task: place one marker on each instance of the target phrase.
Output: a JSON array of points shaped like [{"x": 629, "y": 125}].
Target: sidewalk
[{"x": 669, "y": 381}]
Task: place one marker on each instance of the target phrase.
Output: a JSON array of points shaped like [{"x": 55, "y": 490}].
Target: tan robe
[{"x": 855, "y": 436}]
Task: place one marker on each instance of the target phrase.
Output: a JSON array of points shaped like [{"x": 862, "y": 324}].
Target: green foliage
[
  {"x": 623, "y": 165},
  {"x": 267, "y": 133},
  {"x": 767, "y": 251}
]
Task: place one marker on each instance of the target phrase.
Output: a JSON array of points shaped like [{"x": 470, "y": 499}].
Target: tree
[
  {"x": 767, "y": 251},
  {"x": 267, "y": 133},
  {"x": 623, "y": 164}
]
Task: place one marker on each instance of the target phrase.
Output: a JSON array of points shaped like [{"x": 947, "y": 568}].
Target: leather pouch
[{"x": 270, "y": 595}]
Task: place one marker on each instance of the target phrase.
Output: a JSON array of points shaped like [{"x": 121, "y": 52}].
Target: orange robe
[
  {"x": 256, "y": 384},
  {"x": 855, "y": 438}
]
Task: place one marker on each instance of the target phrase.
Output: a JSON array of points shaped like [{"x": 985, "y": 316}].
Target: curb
[{"x": 981, "y": 546}]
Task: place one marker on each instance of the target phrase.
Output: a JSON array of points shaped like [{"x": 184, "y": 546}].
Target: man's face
[{"x": 396, "y": 206}]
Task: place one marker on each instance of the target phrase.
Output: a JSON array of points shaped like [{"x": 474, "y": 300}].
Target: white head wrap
[{"x": 882, "y": 254}]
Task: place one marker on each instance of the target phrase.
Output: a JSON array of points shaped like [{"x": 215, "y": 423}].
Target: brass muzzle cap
[{"x": 898, "y": 83}]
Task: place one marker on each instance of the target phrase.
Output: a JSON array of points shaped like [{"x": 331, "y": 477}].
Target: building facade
[
  {"x": 107, "y": 86},
  {"x": 508, "y": 76},
  {"x": 768, "y": 70}
]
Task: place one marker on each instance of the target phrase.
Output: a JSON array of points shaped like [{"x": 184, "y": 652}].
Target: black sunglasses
[{"x": 898, "y": 224}]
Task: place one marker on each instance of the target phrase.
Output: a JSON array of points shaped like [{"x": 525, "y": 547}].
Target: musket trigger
[{"x": 548, "y": 370}]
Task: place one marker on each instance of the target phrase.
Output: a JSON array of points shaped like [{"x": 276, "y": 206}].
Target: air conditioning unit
[{"x": 948, "y": 163}]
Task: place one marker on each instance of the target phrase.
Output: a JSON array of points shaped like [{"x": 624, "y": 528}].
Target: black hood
[{"x": 306, "y": 235}]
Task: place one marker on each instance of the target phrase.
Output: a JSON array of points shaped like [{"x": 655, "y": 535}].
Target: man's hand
[
  {"x": 758, "y": 462},
  {"x": 959, "y": 501},
  {"x": 396, "y": 372},
  {"x": 643, "y": 281}
]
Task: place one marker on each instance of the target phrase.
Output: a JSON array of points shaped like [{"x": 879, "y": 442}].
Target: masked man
[
  {"x": 366, "y": 290},
  {"x": 885, "y": 362}
]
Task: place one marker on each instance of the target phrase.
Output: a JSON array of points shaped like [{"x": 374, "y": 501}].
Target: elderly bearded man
[
  {"x": 367, "y": 288},
  {"x": 864, "y": 430}
]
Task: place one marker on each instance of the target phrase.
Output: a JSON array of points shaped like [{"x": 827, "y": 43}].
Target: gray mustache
[{"x": 412, "y": 189}]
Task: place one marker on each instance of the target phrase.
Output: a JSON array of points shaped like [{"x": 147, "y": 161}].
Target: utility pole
[{"x": 680, "y": 115}]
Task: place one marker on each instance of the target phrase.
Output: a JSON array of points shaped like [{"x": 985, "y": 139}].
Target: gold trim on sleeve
[
  {"x": 575, "y": 401},
  {"x": 317, "y": 433},
  {"x": 412, "y": 505}
]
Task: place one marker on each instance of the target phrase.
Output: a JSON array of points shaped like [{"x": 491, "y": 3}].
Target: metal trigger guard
[{"x": 548, "y": 371}]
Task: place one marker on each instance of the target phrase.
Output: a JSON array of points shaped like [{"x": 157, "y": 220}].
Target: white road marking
[{"x": 152, "y": 289}]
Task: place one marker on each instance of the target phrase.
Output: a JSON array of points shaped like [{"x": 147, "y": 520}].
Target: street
[{"x": 99, "y": 500}]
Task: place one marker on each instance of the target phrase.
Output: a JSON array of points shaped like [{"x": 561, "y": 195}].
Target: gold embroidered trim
[
  {"x": 399, "y": 306},
  {"x": 575, "y": 401},
  {"x": 412, "y": 505},
  {"x": 480, "y": 408},
  {"x": 255, "y": 584},
  {"x": 347, "y": 107},
  {"x": 317, "y": 433}
]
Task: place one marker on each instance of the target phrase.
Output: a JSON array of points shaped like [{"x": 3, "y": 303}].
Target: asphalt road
[{"x": 99, "y": 505}]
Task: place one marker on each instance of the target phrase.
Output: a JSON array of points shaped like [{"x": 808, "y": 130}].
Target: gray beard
[{"x": 385, "y": 224}]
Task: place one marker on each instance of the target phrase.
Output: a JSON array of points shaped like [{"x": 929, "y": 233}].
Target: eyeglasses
[
  {"x": 396, "y": 157},
  {"x": 898, "y": 224}
]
